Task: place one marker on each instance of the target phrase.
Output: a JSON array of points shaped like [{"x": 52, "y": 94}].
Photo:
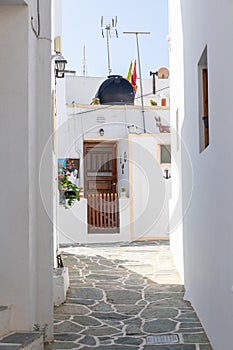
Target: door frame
[{"x": 102, "y": 199}]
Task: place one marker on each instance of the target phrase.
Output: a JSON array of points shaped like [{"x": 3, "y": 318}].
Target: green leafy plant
[
  {"x": 69, "y": 190},
  {"x": 123, "y": 192},
  {"x": 153, "y": 103},
  {"x": 95, "y": 101},
  {"x": 41, "y": 329}
]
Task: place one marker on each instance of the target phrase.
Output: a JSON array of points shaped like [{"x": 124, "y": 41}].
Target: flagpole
[{"x": 140, "y": 75}]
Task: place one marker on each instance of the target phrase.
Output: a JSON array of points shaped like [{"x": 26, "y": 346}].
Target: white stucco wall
[
  {"x": 207, "y": 225},
  {"x": 76, "y": 123},
  {"x": 56, "y": 20},
  {"x": 82, "y": 89},
  {"x": 72, "y": 225},
  {"x": 80, "y": 122},
  {"x": 26, "y": 230},
  {"x": 149, "y": 191},
  {"x": 177, "y": 113},
  {"x": 123, "y": 165},
  {"x": 43, "y": 128}
]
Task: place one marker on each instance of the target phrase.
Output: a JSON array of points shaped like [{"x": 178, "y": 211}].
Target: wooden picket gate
[{"x": 103, "y": 212}]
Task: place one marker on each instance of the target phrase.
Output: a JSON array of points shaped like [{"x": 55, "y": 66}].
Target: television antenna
[
  {"x": 84, "y": 62},
  {"x": 109, "y": 29}
]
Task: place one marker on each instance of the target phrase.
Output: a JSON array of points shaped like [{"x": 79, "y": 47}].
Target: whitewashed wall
[
  {"x": 58, "y": 105},
  {"x": 26, "y": 229},
  {"x": 177, "y": 118},
  {"x": 82, "y": 89},
  {"x": 149, "y": 191},
  {"x": 207, "y": 224},
  {"x": 144, "y": 213},
  {"x": 123, "y": 165},
  {"x": 79, "y": 122},
  {"x": 72, "y": 225}
]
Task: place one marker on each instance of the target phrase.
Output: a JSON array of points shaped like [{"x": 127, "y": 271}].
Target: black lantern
[{"x": 60, "y": 63}]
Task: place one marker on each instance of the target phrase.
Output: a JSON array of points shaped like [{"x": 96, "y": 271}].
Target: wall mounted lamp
[
  {"x": 167, "y": 174},
  {"x": 60, "y": 64},
  {"x": 132, "y": 128},
  {"x": 125, "y": 157},
  {"x": 101, "y": 132}
]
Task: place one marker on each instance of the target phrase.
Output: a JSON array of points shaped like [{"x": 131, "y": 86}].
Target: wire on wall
[{"x": 36, "y": 31}]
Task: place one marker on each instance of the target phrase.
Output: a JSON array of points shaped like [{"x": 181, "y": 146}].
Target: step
[
  {"x": 4, "y": 320},
  {"x": 60, "y": 284},
  {"x": 22, "y": 340}
]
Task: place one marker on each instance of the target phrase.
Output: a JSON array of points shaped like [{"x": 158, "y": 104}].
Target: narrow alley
[{"x": 125, "y": 296}]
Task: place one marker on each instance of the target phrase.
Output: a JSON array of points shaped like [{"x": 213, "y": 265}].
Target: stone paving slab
[
  {"x": 21, "y": 340},
  {"x": 119, "y": 295},
  {"x": 9, "y": 347}
]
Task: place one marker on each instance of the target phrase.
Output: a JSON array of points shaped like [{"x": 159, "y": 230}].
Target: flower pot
[{"x": 123, "y": 194}]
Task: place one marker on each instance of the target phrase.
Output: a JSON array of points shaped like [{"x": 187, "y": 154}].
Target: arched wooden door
[{"x": 100, "y": 187}]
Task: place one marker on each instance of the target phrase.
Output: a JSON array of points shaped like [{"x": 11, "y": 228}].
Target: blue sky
[{"x": 82, "y": 26}]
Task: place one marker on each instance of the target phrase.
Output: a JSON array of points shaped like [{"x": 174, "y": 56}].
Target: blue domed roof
[{"x": 116, "y": 90}]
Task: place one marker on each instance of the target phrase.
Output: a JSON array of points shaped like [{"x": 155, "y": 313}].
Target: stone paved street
[{"x": 125, "y": 296}]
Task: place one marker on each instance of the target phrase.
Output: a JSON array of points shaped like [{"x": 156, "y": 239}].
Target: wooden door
[{"x": 100, "y": 186}]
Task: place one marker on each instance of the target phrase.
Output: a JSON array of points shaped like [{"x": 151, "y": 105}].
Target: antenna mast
[
  {"x": 140, "y": 74},
  {"x": 84, "y": 66},
  {"x": 108, "y": 27}
]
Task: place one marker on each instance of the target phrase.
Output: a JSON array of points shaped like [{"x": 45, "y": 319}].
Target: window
[
  {"x": 164, "y": 154},
  {"x": 203, "y": 101}
]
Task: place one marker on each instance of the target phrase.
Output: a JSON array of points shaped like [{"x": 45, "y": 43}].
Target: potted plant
[
  {"x": 68, "y": 190},
  {"x": 153, "y": 103}
]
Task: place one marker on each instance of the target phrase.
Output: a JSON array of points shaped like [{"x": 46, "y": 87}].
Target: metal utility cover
[{"x": 162, "y": 339}]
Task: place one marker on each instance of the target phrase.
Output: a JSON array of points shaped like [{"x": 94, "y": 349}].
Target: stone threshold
[{"x": 22, "y": 340}]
